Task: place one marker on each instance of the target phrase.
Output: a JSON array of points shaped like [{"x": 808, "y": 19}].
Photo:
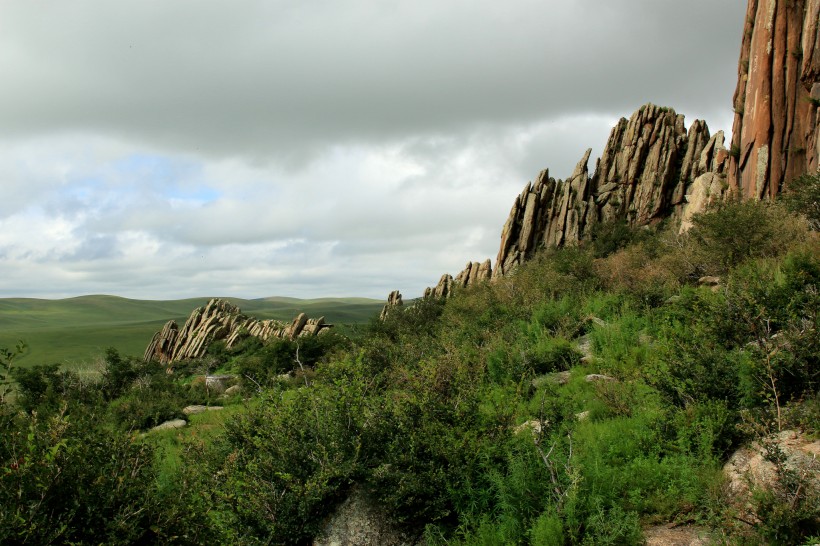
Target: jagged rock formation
[
  {"x": 221, "y": 320},
  {"x": 394, "y": 300},
  {"x": 472, "y": 273},
  {"x": 776, "y": 135},
  {"x": 648, "y": 166}
]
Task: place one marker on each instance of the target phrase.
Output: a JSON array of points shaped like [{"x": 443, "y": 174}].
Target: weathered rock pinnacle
[
  {"x": 776, "y": 135},
  {"x": 394, "y": 301}
]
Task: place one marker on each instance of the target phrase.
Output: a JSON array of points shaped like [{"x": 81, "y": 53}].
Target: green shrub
[
  {"x": 736, "y": 231},
  {"x": 802, "y": 195},
  {"x": 71, "y": 481},
  {"x": 612, "y": 526},
  {"x": 143, "y": 408},
  {"x": 547, "y": 530},
  {"x": 42, "y": 385},
  {"x": 550, "y": 354},
  {"x": 290, "y": 459},
  {"x": 119, "y": 373}
]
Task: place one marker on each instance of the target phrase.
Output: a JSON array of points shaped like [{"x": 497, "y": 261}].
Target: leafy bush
[
  {"x": 802, "y": 195},
  {"x": 42, "y": 385},
  {"x": 262, "y": 363},
  {"x": 736, "y": 231},
  {"x": 70, "y": 481},
  {"x": 288, "y": 460},
  {"x": 119, "y": 373}
]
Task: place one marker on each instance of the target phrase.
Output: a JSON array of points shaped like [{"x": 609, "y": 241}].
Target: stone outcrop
[
  {"x": 776, "y": 135},
  {"x": 752, "y": 467},
  {"x": 648, "y": 167},
  {"x": 394, "y": 300},
  {"x": 473, "y": 273},
  {"x": 221, "y": 320}
]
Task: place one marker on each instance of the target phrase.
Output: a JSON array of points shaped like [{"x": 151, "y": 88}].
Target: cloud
[
  {"x": 277, "y": 79},
  {"x": 307, "y": 148}
]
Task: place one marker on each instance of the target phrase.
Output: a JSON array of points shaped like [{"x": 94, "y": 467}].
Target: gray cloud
[
  {"x": 277, "y": 79},
  {"x": 170, "y": 149}
]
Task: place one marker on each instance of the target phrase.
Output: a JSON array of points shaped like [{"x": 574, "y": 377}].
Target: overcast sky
[{"x": 163, "y": 149}]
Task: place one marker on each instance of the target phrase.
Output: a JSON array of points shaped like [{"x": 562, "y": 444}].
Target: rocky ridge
[
  {"x": 394, "y": 300},
  {"x": 221, "y": 320}
]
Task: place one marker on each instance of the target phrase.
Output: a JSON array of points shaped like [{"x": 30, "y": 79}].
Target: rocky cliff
[
  {"x": 220, "y": 320},
  {"x": 776, "y": 135}
]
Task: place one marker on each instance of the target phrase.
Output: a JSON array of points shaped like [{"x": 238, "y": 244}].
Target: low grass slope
[{"x": 76, "y": 331}]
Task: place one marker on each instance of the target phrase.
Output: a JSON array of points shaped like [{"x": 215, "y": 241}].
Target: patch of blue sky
[
  {"x": 83, "y": 188},
  {"x": 176, "y": 179}
]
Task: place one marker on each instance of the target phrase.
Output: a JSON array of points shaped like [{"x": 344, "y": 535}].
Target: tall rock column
[{"x": 776, "y": 136}]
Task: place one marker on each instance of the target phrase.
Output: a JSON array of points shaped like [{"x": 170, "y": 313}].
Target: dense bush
[
  {"x": 736, "y": 231},
  {"x": 802, "y": 195},
  {"x": 67, "y": 481}
]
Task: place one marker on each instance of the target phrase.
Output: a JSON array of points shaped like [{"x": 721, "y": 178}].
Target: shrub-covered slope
[{"x": 593, "y": 393}]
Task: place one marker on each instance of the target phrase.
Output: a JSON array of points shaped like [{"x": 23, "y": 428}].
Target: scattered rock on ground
[
  {"x": 684, "y": 535},
  {"x": 709, "y": 281},
  {"x": 557, "y": 378},
  {"x": 194, "y": 410},
  {"x": 533, "y": 425},
  {"x": 174, "y": 423},
  {"x": 231, "y": 391},
  {"x": 218, "y": 383},
  {"x": 749, "y": 468},
  {"x": 594, "y": 377}
]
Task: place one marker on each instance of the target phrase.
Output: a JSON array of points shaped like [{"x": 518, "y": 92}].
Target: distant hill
[{"x": 75, "y": 331}]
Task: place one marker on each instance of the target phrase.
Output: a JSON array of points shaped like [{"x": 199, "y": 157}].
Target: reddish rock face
[{"x": 776, "y": 133}]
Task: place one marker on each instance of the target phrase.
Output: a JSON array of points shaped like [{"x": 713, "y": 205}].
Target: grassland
[{"x": 76, "y": 331}]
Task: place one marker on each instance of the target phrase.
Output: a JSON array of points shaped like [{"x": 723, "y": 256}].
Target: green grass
[
  {"x": 76, "y": 331},
  {"x": 170, "y": 443}
]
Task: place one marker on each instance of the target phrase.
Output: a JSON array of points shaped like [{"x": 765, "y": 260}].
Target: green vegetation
[
  {"x": 594, "y": 392},
  {"x": 75, "y": 332}
]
